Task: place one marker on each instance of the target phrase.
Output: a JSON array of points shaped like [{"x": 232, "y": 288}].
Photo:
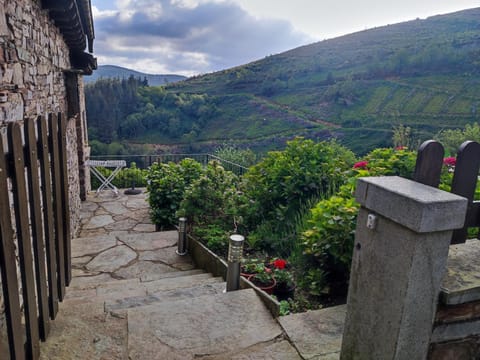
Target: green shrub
[
  {"x": 243, "y": 157},
  {"x": 214, "y": 237},
  {"x": 325, "y": 247},
  {"x": 328, "y": 244},
  {"x": 166, "y": 187},
  {"x": 277, "y": 187},
  {"x": 389, "y": 161},
  {"x": 453, "y": 138},
  {"x": 209, "y": 204}
]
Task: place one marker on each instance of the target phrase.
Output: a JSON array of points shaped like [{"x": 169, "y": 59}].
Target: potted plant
[
  {"x": 285, "y": 285},
  {"x": 251, "y": 267},
  {"x": 264, "y": 280}
]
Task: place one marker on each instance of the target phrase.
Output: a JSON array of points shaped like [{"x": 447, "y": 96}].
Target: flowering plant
[
  {"x": 450, "y": 161},
  {"x": 360, "y": 164},
  {"x": 279, "y": 264},
  {"x": 253, "y": 266},
  {"x": 264, "y": 277}
]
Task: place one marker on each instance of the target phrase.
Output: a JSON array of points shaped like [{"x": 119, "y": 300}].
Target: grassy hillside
[{"x": 421, "y": 73}]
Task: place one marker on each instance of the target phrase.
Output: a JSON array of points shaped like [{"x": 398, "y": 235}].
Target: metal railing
[{"x": 144, "y": 161}]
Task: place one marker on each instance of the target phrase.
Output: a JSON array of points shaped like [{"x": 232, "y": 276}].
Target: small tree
[
  {"x": 452, "y": 139},
  {"x": 402, "y": 136}
]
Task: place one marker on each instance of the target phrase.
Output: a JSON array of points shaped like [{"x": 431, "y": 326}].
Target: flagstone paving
[{"x": 133, "y": 297}]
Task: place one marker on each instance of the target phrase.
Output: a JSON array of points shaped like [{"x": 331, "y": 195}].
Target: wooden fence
[
  {"x": 37, "y": 216},
  {"x": 428, "y": 171}
]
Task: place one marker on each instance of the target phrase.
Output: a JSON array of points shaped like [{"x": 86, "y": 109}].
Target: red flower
[
  {"x": 280, "y": 264},
  {"x": 361, "y": 165},
  {"x": 401, "y": 148},
  {"x": 450, "y": 161}
]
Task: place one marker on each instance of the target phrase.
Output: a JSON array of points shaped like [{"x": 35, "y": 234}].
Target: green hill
[
  {"x": 421, "y": 73},
  {"x": 112, "y": 71}
]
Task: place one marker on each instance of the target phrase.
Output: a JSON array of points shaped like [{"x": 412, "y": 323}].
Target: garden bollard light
[
  {"x": 182, "y": 236},
  {"x": 235, "y": 251}
]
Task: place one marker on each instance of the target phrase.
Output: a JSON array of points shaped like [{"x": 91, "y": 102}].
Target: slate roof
[{"x": 75, "y": 21}]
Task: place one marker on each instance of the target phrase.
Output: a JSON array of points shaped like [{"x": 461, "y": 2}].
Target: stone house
[
  {"x": 45, "y": 49},
  {"x": 42, "y": 60}
]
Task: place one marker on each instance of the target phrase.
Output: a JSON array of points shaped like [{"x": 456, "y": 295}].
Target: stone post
[{"x": 400, "y": 255}]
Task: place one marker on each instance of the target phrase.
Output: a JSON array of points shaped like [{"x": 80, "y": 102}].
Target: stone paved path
[
  {"x": 133, "y": 297},
  {"x": 117, "y": 241}
]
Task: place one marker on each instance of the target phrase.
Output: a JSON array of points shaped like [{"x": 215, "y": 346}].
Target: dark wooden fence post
[
  {"x": 35, "y": 163},
  {"x": 47, "y": 200},
  {"x": 20, "y": 197},
  {"x": 429, "y": 163},
  {"x": 428, "y": 170},
  {"x": 58, "y": 205},
  {"x": 62, "y": 146},
  {"x": 31, "y": 161},
  {"x": 464, "y": 183},
  {"x": 8, "y": 267}
]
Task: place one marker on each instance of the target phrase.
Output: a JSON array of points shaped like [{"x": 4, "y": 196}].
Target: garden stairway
[{"x": 133, "y": 297}]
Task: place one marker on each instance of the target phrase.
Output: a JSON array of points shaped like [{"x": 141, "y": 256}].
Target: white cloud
[
  {"x": 198, "y": 36},
  {"x": 202, "y": 37}
]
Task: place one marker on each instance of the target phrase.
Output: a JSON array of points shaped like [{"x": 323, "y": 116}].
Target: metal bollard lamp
[
  {"x": 182, "y": 237},
  {"x": 235, "y": 252}
]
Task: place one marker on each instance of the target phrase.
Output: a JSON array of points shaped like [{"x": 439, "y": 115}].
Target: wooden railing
[
  {"x": 428, "y": 171},
  {"x": 37, "y": 216}
]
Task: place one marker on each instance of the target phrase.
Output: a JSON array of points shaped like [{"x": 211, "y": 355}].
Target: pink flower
[
  {"x": 450, "y": 161},
  {"x": 361, "y": 165},
  {"x": 280, "y": 264}
]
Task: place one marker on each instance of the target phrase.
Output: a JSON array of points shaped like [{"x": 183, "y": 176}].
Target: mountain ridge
[
  {"x": 422, "y": 73},
  {"x": 114, "y": 71}
]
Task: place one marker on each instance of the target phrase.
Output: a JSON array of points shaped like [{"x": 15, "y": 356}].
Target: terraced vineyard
[{"x": 421, "y": 73}]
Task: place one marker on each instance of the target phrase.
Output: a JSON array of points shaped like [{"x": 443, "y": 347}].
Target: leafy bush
[
  {"x": 283, "y": 182},
  {"x": 209, "y": 204},
  {"x": 452, "y": 139},
  {"x": 214, "y": 237},
  {"x": 243, "y": 157},
  {"x": 325, "y": 251},
  {"x": 329, "y": 242},
  {"x": 389, "y": 162},
  {"x": 166, "y": 187}
]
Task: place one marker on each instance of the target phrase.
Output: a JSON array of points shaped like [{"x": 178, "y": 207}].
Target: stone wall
[
  {"x": 456, "y": 333},
  {"x": 33, "y": 62},
  {"x": 34, "y": 65}
]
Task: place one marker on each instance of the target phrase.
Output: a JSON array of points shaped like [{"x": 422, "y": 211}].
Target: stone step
[
  {"x": 166, "y": 284},
  {"x": 461, "y": 283},
  {"x": 316, "y": 334},
  {"x": 217, "y": 326},
  {"x": 134, "y": 287},
  {"x": 89, "y": 282},
  {"x": 169, "y": 295}
]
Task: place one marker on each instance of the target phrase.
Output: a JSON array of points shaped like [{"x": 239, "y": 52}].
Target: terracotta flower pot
[
  {"x": 246, "y": 275},
  {"x": 268, "y": 288}
]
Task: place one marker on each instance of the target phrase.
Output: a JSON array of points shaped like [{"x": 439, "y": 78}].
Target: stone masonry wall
[
  {"x": 456, "y": 332},
  {"x": 33, "y": 61}
]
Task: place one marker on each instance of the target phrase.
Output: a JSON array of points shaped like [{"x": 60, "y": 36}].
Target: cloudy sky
[{"x": 191, "y": 37}]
